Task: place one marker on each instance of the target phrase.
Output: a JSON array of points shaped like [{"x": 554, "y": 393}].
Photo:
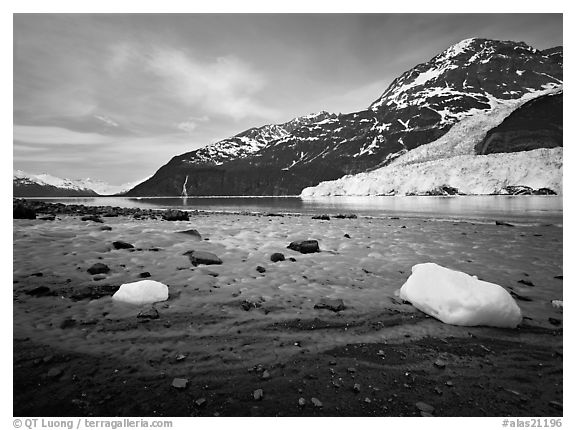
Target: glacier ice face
[
  {"x": 142, "y": 292},
  {"x": 459, "y": 299}
]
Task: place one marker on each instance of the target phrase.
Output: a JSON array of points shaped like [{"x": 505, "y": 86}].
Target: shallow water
[{"x": 519, "y": 209}]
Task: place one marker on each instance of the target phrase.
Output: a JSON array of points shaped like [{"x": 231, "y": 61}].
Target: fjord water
[{"x": 520, "y": 209}]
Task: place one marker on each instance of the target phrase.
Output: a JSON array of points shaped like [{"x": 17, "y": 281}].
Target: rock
[
  {"x": 277, "y": 256},
  {"x": 317, "y": 403},
  {"x": 40, "y": 292},
  {"x": 175, "y": 215},
  {"x": 98, "y": 268},
  {"x": 554, "y": 321},
  {"x": 142, "y": 292},
  {"x": 561, "y": 277},
  {"x": 519, "y": 297},
  {"x": 122, "y": 245},
  {"x": 449, "y": 383},
  {"x": 260, "y": 269},
  {"x": 555, "y": 404},
  {"x": 258, "y": 394},
  {"x": 301, "y": 402},
  {"x": 247, "y": 305},
  {"x": 367, "y": 400},
  {"x": 558, "y": 304},
  {"x": 347, "y": 236},
  {"x": 304, "y": 246},
  {"x": 323, "y": 217},
  {"x": 67, "y": 323},
  {"x": 440, "y": 364},
  {"x": 55, "y": 372},
  {"x": 21, "y": 211},
  {"x": 351, "y": 370},
  {"x": 94, "y": 218},
  {"x": 194, "y": 234},
  {"x": 145, "y": 275},
  {"x": 346, "y": 216},
  {"x": 335, "y": 305},
  {"x": 106, "y": 228},
  {"x": 357, "y": 388},
  {"x": 202, "y": 257},
  {"x": 47, "y": 218},
  {"x": 265, "y": 375},
  {"x": 425, "y": 407},
  {"x": 503, "y": 223},
  {"x": 180, "y": 357},
  {"x": 148, "y": 314},
  {"x": 180, "y": 383},
  {"x": 200, "y": 402},
  {"x": 526, "y": 282}
]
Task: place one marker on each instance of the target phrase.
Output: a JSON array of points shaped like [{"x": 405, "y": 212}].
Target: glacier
[{"x": 457, "y": 298}]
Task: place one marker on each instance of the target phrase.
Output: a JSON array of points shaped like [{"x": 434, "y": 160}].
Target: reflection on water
[{"x": 532, "y": 209}]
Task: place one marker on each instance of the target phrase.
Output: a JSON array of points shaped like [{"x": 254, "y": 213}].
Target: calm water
[{"x": 520, "y": 209}]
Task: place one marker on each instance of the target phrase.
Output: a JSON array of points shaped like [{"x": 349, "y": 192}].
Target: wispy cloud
[
  {"x": 191, "y": 124},
  {"x": 41, "y": 135}
]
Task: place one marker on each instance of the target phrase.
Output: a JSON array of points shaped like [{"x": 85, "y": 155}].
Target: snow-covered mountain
[
  {"x": 469, "y": 159},
  {"x": 473, "y": 77},
  {"x": 45, "y": 185}
]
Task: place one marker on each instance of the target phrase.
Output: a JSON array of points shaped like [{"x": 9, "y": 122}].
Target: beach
[{"x": 249, "y": 324}]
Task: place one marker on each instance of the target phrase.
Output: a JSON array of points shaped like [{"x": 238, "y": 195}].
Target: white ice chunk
[
  {"x": 459, "y": 299},
  {"x": 142, "y": 292}
]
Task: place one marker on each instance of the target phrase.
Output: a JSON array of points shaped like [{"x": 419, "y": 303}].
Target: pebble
[
  {"x": 277, "y": 256},
  {"x": 317, "y": 403},
  {"x": 266, "y": 375},
  {"x": 301, "y": 402},
  {"x": 260, "y": 269},
  {"x": 425, "y": 407},
  {"x": 122, "y": 245},
  {"x": 54, "y": 372},
  {"x": 258, "y": 394},
  {"x": 440, "y": 364},
  {"x": 357, "y": 388},
  {"x": 200, "y": 402},
  {"x": 180, "y": 383}
]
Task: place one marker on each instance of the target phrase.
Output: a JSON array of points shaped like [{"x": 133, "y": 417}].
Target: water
[{"x": 515, "y": 209}]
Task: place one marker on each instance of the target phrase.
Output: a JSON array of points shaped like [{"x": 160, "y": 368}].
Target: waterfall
[{"x": 184, "y": 192}]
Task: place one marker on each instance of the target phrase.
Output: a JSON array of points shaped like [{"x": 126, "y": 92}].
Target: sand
[{"x": 79, "y": 353}]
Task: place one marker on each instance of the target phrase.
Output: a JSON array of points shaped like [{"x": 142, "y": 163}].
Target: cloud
[
  {"x": 190, "y": 125},
  {"x": 107, "y": 121},
  {"x": 41, "y": 135},
  {"x": 226, "y": 86}
]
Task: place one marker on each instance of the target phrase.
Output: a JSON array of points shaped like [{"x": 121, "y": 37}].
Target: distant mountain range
[
  {"x": 475, "y": 77},
  {"x": 45, "y": 185}
]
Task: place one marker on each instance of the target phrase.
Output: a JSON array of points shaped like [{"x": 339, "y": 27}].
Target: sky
[{"x": 114, "y": 96}]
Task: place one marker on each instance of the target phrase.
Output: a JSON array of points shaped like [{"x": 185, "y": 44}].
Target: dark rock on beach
[
  {"x": 202, "y": 257},
  {"x": 323, "y": 217},
  {"x": 175, "y": 215},
  {"x": 20, "y": 211},
  {"x": 334, "y": 305},
  {"x": 148, "y": 314},
  {"x": 194, "y": 234},
  {"x": 304, "y": 246},
  {"x": 122, "y": 245},
  {"x": 98, "y": 268},
  {"x": 277, "y": 256},
  {"x": 40, "y": 292}
]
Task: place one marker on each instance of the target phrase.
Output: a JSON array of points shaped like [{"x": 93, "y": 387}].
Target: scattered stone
[
  {"x": 346, "y": 216},
  {"x": 175, "y": 215},
  {"x": 425, "y": 407},
  {"x": 47, "y": 218},
  {"x": 99, "y": 277},
  {"x": 336, "y": 383},
  {"x": 357, "y": 388},
  {"x": 202, "y": 257},
  {"x": 106, "y": 228},
  {"x": 304, "y": 246},
  {"x": 554, "y": 321},
  {"x": 145, "y": 275},
  {"x": 449, "y": 383},
  {"x": 260, "y": 269},
  {"x": 367, "y": 400},
  {"x": 351, "y": 370},
  {"x": 200, "y": 402},
  {"x": 335, "y": 305},
  {"x": 503, "y": 223},
  {"x": 122, "y": 245},
  {"x": 558, "y": 304},
  {"x": 526, "y": 282},
  {"x": 55, "y": 372},
  {"x": 148, "y": 314},
  {"x": 347, "y": 236},
  {"x": 274, "y": 214},
  {"x": 180, "y": 357},
  {"x": 317, "y": 403},
  {"x": 94, "y": 218},
  {"x": 555, "y": 404},
  {"x": 440, "y": 364},
  {"x": 277, "y": 256},
  {"x": 258, "y": 394},
  {"x": 180, "y": 383},
  {"x": 292, "y": 259},
  {"x": 322, "y": 217},
  {"x": 192, "y": 233},
  {"x": 98, "y": 268},
  {"x": 438, "y": 391},
  {"x": 301, "y": 402},
  {"x": 265, "y": 375},
  {"x": 40, "y": 292},
  {"x": 21, "y": 211},
  {"x": 247, "y": 305}
]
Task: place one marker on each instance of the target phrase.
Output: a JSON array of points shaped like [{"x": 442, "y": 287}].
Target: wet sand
[{"x": 230, "y": 329}]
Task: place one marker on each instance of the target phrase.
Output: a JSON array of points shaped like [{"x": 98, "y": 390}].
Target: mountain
[
  {"x": 469, "y": 78},
  {"x": 515, "y": 148},
  {"x": 45, "y": 185}
]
